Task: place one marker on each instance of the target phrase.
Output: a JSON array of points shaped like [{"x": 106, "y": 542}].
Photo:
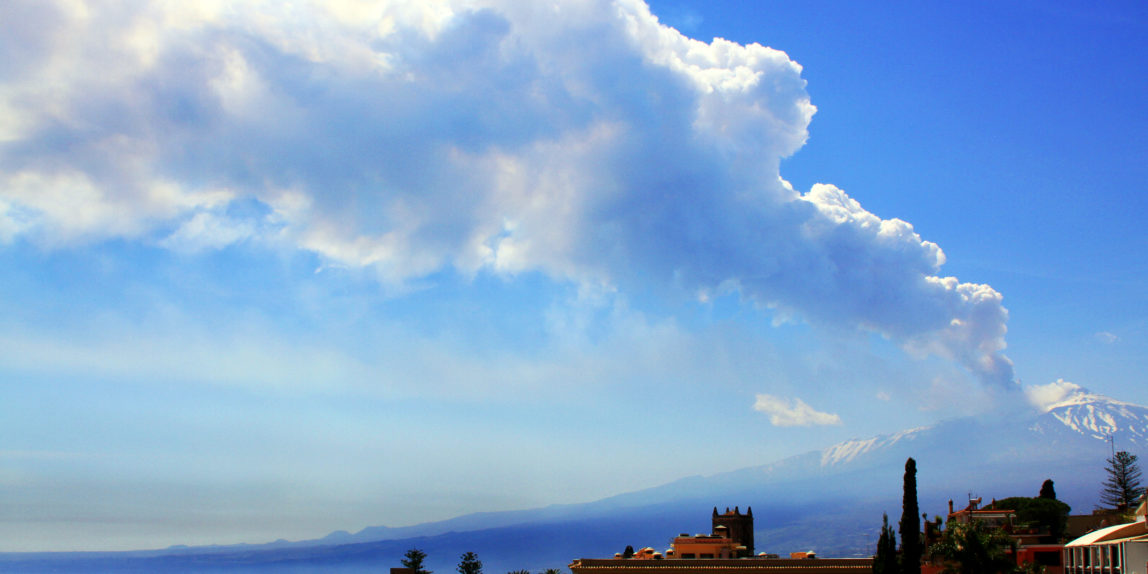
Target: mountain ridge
[
  {"x": 1074, "y": 409},
  {"x": 828, "y": 500},
  {"x": 1073, "y": 412}
]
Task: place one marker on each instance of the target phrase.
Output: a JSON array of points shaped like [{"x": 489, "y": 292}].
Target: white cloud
[
  {"x": 1107, "y": 338},
  {"x": 12, "y": 222},
  {"x": 580, "y": 138},
  {"x": 206, "y": 230},
  {"x": 792, "y": 413},
  {"x": 1058, "y": 392}
]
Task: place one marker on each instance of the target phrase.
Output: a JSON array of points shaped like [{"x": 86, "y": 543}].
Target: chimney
[{"x": 950, "y": 506}]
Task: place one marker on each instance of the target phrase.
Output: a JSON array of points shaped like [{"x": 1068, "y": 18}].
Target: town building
[
  {"x": 732, "y": 537},
  {"x": 1119, "y": 549},
  {"x": 728, "y": 548},
  {"x": 1032, "y": 545},
  {"x": 990, "y": 516},
  {"x": 727, "y": 566}
]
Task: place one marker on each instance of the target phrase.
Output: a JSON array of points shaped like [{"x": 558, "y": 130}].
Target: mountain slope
[
  {"x": 798, "y": 501},
  {"x": 828, "y": 500},
  {"x": 996, "y": 455}
]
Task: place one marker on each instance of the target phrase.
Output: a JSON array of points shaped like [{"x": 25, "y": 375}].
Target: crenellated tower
[{"x": 738, "y": 526}]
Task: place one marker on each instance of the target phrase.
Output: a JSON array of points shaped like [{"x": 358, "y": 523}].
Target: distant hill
[{"x": 829, "y": 501}]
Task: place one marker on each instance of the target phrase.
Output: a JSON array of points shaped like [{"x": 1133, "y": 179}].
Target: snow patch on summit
[
  {"x": 1088, "y": 413},
  {"x": 849, "y": 450},
  {"x": 1103, "y": 419}
]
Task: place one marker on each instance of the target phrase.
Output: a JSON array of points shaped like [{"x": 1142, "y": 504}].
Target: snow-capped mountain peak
[
  {"x": 1091, "y": 414},
  {"x": 1062, "y": 393},
  {"x": 1063, "y": 407},
  {"x": 844, "y": 452}
]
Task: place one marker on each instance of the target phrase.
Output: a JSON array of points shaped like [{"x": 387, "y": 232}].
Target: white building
[{"x": 1120, "y": 549}]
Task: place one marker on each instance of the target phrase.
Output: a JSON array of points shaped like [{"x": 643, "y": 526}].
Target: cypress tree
[
  {"x": 885, "y": 562},
  {"x": 910, "y": 527},
  {"x": 1047, "y": 491}
]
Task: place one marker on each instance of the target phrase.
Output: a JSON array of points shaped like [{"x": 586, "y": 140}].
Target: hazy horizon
[{"x": 273, "y": 271}]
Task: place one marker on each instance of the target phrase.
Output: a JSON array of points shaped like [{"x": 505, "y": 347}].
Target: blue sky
[{"x": 276, "y": 270}]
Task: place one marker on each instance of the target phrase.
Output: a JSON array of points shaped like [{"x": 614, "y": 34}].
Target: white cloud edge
[
  {"x": 793, "y": 412},
  {"x": 1057, "y": 393},
  {"x": 529, "y": 207}
]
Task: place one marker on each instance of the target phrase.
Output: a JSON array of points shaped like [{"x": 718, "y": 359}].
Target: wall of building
[{"x": 1136, "y": 554}]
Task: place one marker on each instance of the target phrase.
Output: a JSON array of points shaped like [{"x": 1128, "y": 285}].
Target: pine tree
[
  {"x": 885, "y": 562},
  {"x": 910, "y": 526},
  {"x": 1122, "y": 487},
  {"x": 413, "y": 559},
  {"x": 1047, "y": 491},
  {"x": 1046, "y": 514},
  {"x": 469, "y": 564}
]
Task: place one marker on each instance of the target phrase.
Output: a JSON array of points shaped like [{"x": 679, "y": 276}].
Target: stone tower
[{"x": 739, "y": 526}]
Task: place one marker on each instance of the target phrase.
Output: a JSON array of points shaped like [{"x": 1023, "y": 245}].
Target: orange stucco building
[{"x": 729, "y": 548}]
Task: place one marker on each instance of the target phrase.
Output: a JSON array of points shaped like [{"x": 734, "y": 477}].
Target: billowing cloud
[
  {"x": 1054, "y": 394},
  {"x": 577, "y": 138},
  {"x": 792, "y": 413}
]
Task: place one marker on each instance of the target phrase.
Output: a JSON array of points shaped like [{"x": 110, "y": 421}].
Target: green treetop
[
  {"x": 1121, "y": 490},
  {"x": 413, "y": 559},
  {"x": 469, "y": 564}
]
